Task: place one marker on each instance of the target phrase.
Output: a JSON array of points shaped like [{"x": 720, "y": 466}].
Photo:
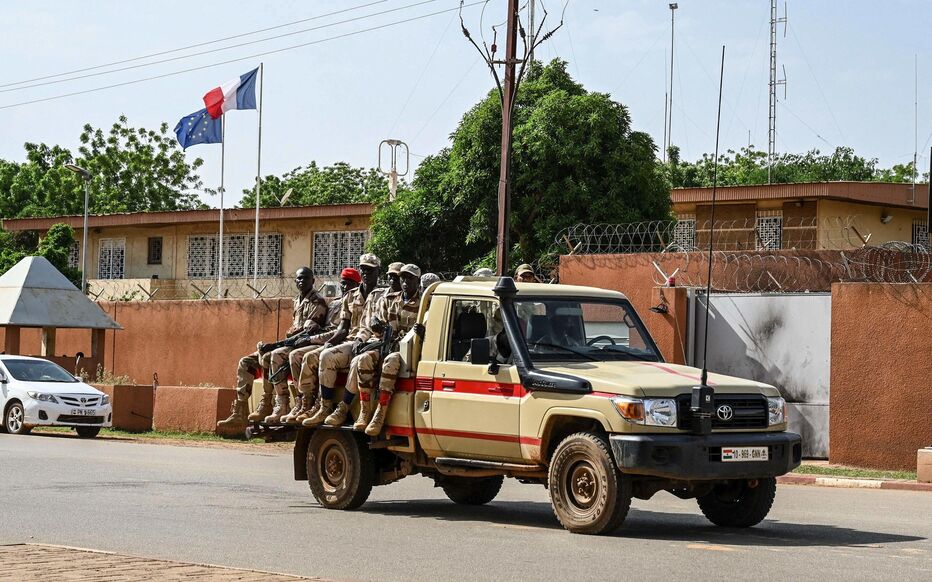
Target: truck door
[{"x": 474, "y": 413}]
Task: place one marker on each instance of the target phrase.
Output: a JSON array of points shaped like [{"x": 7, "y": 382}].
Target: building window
[
  {"x": 74, "y": 256},
  {"x": 921, "y": 233},
  {"x": 684, "y": 232},
  {"x": 110, "y": 260},
  {"x": 238, "y": 252},
  {"x": 155, "y": 250},
  {"x": 335, "y": 250},
  {"x": 769, "y": 230}
]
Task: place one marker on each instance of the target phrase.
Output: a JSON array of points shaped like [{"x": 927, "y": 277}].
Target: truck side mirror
[{"x": 480, "y": 351}]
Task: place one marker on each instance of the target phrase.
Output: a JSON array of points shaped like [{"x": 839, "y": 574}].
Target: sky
[{"x": 850, "y": 69}]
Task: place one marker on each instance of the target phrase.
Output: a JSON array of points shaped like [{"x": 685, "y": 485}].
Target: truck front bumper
[{"x": 699, "y": 457}]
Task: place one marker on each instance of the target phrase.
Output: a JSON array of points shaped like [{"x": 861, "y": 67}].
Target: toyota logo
[
  {"x": 83, "y": 400},
  {"x": 725, "y": 412}
]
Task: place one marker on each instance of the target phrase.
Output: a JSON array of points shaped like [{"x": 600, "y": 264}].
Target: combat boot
[
  {"x": 295, "y": 410},
  {"x": 236, "y": 422},
  {"x": 265, "y": 409},
  {"x": 378, "y": 420},
  {"x": 311, "y": 404},
  {"x": 365, "y": 411},
  {"x": 282, "y": 406},
  {"x": 323, "y": 412},
  {"x": 338, "y": 416}
]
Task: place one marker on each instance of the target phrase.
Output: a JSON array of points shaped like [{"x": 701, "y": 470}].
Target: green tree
[
  {"x": 749, "y": 166},
  {"x": 134, "y": 170},
  {"x": 310, "y": 185},
  {"x": 576, "y": 159},
  {"x": 55, "y": 246}
]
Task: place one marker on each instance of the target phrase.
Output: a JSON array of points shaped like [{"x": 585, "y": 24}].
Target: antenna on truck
[{"x": 701, "y": 402}]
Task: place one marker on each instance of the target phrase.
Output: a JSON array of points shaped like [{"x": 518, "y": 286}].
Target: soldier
[
  {"x": 356, "y": 312},
  {"x": 525, "y": 274},
  {"x": 399, "y": 310},
  {"x": 309, "y": 312},
  {"x": 428, "y": 279},
  {"x": 304, "y": 360},
  {"x": 394, "y": 277}
]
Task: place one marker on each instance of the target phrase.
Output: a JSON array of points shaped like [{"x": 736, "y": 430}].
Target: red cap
[{"x": 351, "y": 274}]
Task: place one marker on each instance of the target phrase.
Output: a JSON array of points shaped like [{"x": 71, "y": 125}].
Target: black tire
[
  {"x": 588, "y": 493},
  {"x": 87, "y": 432},
  {"x": 470, "y": 490},
  {"x": 340, "y": 468},
  {"x": 737, "y": 503},
  {"x": 13, "y": 418}
]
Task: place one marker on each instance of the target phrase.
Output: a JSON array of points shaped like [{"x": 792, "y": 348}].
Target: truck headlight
[
  {"x": 43, "y": 397},
  {"x": 776, "y": 411},
  {"x": 647, "y": 411}
]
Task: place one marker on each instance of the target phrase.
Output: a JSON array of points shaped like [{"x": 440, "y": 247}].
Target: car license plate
[
  {"x": 743, "y": 454},
  {"x": 83, "y": 412}
]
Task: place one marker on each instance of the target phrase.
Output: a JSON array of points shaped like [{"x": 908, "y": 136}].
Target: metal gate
[{"x": 783, "y": 339}]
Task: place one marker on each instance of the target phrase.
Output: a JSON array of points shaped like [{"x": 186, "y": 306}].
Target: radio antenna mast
[{"x": 774, "y": 83}]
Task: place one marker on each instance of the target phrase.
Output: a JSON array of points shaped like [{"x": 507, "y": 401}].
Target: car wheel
[
  {"x": 470, "y": 490},
  {"x": 14, "y": 418},
  {"x": 739, "y": 503},
  {"x": 87, "y": 432},
  {"x": 588, "y": 493},
  {"x": 340, "y": 468}
]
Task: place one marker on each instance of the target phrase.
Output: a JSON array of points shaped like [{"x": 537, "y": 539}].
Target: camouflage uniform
[{"x": 304, "y": 362}]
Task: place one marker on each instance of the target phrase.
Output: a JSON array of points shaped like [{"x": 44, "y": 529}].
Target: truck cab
[{"x": 562, "y": 386}]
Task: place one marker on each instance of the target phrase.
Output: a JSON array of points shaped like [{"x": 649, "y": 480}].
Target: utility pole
[
  {"x": 508, "y": 96},
  {"x": 772, "y": 112},
  {"x": 531, "y": 29},
  {"x": 673, "y": 7}
]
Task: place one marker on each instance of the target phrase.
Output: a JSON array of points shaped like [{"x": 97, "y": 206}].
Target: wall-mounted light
[{"x": 886, "y": 218}]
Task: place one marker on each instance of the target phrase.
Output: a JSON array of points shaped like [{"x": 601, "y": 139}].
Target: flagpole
[
  {"x": 255, "y": 258},
  {"x": 223, "y": 144}
]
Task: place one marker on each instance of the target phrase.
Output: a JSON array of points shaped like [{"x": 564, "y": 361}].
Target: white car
[{"x": 36, "y": 392}]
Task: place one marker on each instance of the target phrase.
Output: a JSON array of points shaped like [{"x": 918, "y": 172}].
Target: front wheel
[
  {"x": 340, "y": 469},
  {"x": 588, "y": 493},
  {"x": 87, "y": 432},
  {"x": 14, "y": 419},
  {"x": 470, "y": 490},
  {"x": 739, "y": 503}
]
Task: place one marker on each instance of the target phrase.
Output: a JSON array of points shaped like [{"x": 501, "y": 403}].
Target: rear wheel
[
  {"x": 13, "y": 420},
  {"x": 739, "y": 503},
  {"x": 588, "y": 493},
  {"x": 340, "y": 469},
  {"x": 470, "y": 490},
  {"x": 87, "y": 432}
]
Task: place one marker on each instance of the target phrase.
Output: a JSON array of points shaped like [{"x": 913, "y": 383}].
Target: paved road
[{"x": 239, "y": 508}]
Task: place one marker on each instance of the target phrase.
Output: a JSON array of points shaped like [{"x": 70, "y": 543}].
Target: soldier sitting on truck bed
[
  {"x": 304, "y": 360},
  {"x": 357, "y": 310},
  {"x": 309, "y": 312},
  {"x": 398, "y": 310}
]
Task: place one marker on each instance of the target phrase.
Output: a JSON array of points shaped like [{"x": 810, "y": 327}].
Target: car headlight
[
  {"x": 43, "y": 397},
  {"x": 104, "y": 400},
  {"x": 776, "y": 411},
  {"x": 647, "y": 411}
]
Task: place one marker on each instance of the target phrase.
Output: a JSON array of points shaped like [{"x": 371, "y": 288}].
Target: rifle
[{"x": 298, "y": 340}]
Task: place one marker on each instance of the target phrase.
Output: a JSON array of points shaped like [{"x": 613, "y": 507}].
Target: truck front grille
[
  {"x": 749, "y": 411},
  {"x": 75, "y": 419}
]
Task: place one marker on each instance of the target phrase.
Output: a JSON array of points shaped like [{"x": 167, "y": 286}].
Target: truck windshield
[{"x": 584, "y": 330}]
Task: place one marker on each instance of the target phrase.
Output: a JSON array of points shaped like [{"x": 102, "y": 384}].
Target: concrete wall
[
  {"x": 881, "y": 398},
  {"x": 184, "y": 342}
]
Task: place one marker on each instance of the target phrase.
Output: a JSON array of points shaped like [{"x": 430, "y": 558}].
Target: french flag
[{"x": 240, "y": 93}]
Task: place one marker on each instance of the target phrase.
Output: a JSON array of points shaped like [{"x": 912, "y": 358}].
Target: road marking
[{"x": 711, "y": 548}]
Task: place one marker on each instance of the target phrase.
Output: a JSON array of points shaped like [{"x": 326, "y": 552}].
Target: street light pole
[{"x": 87, "y": 182}]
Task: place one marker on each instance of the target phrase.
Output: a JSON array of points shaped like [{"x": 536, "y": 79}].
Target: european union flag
[{"x": 199, "y": 128}]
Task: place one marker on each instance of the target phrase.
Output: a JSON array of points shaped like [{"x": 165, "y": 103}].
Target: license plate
[
  {"x": 744, "y": 454},
  {"x": 83, "y": 412}
]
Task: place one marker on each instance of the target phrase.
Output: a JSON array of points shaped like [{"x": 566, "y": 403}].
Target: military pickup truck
[{"x": 561, "y": 386}]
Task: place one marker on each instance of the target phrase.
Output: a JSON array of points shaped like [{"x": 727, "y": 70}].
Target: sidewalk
[
  {"x": 22, "y": 562},
  {"x": 853, "y": 482}
]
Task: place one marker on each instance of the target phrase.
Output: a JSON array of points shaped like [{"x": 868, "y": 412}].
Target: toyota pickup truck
[{"x": 560, "y": 386}]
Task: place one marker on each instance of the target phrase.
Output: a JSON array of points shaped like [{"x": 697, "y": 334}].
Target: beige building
[
  {"x": 813, "y": 216},
  {"x": 175, "y": 255}
]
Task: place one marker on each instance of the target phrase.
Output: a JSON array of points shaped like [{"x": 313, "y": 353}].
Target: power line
[
  {"x": 191, "y": 46},
  {"x": 809, "y": 127},
  {"x": 210, "y": 51},
  {"x": 445, "y": 99},
  {"x": 236, "y": 60}
]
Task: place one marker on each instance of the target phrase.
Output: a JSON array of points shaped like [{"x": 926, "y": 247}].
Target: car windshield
[
  {"x": 37, "y": 371},
  {"x": 583, "y": 330}
]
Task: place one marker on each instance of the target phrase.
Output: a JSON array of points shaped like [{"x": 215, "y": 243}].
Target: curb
[{"x": 849, "y": 483}]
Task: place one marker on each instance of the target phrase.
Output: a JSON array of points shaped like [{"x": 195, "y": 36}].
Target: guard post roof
[{"x": 484, "y": 287}]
